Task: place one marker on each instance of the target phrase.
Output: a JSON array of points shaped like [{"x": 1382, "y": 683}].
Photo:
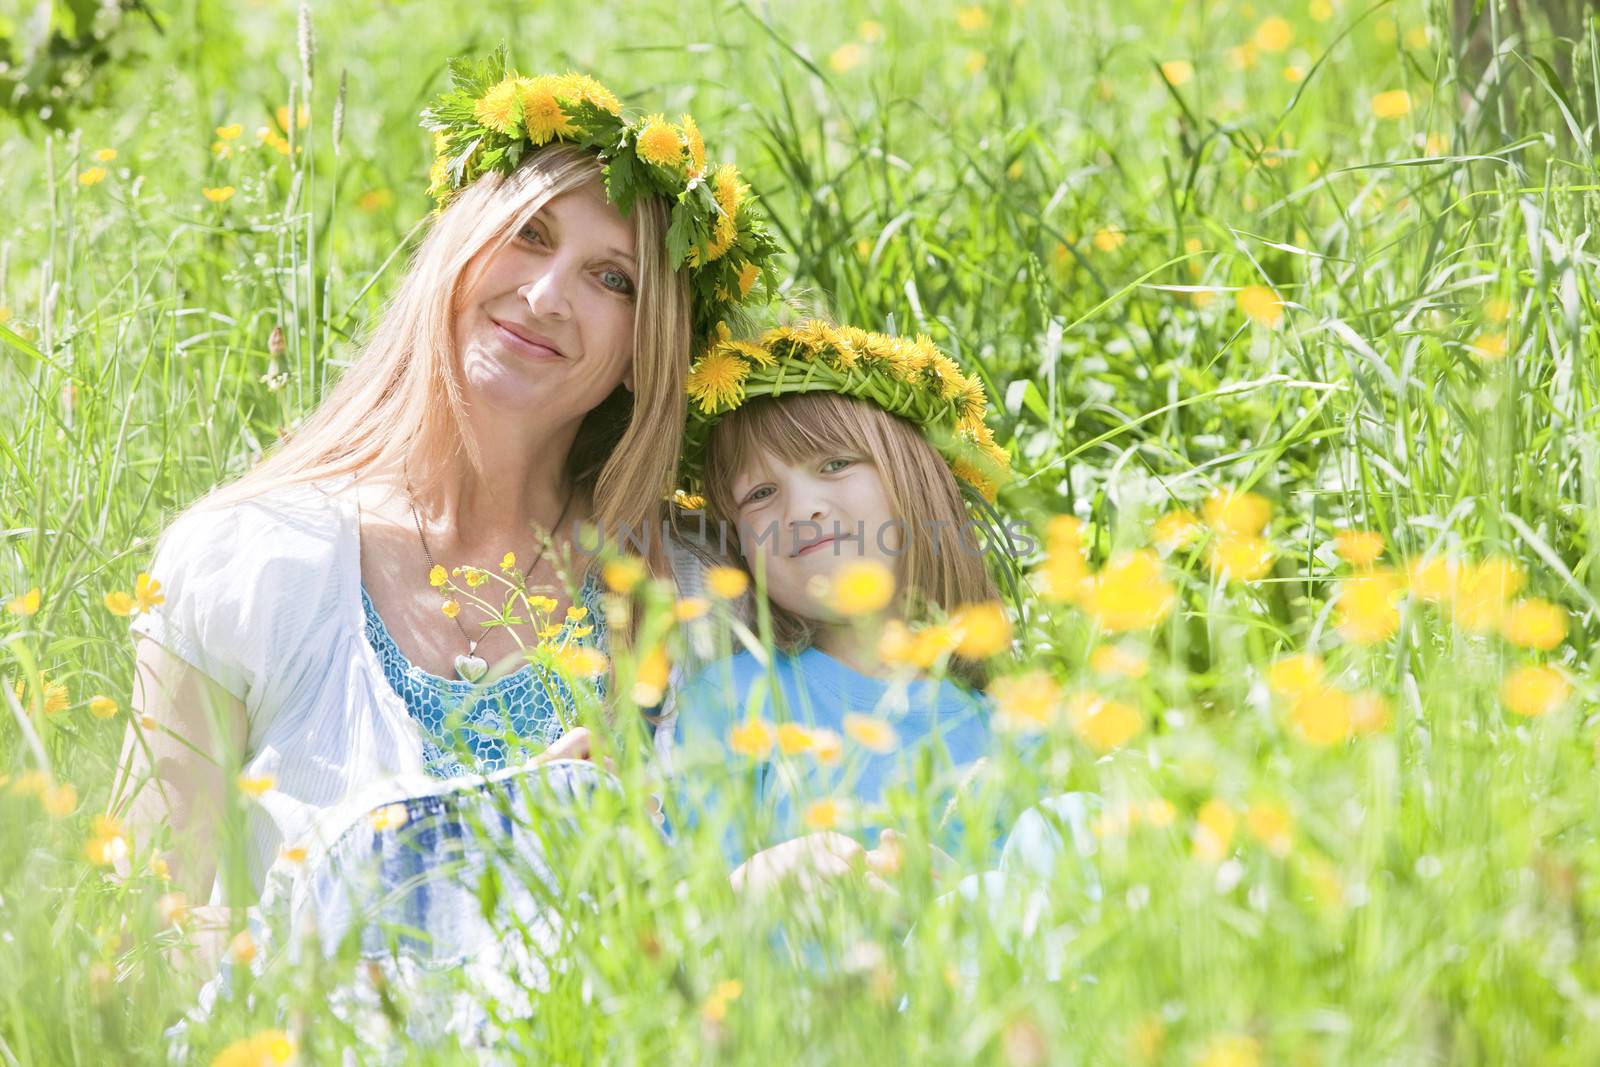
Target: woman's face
[
  {"x": 546, "y": 326},
  {"x": 804, "y": 521}
]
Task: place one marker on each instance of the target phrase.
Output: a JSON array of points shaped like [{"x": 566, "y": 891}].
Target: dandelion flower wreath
[
  {"x": 909, "y": 378},
  {"x": 492, "y": 117}
]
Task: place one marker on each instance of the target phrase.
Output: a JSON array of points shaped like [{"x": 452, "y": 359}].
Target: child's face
[{"x": 806, "y": 520}]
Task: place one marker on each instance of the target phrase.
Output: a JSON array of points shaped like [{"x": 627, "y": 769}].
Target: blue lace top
[{"x": 512, "y": 718}]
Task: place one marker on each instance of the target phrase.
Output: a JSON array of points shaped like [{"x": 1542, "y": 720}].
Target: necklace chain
[{"x": 472, "y": 646}]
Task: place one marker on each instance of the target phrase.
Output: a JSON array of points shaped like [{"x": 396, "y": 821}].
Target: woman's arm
[{"x": 178, "y": 772}]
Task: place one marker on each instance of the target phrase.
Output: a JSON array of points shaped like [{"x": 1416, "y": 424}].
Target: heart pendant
[{"x": 471, "y": 668}]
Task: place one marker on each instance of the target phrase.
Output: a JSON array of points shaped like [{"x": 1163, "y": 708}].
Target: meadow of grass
[{"x": 1292, "y": 316}]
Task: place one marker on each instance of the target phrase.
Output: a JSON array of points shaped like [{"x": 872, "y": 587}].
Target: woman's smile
[{"x": 525, "y": 342}]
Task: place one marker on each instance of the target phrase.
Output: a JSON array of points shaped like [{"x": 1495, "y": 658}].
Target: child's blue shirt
[{"x": 932, "y": 720}]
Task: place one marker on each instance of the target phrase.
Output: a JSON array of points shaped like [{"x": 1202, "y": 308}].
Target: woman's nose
[{"x": 546, "y": 294}]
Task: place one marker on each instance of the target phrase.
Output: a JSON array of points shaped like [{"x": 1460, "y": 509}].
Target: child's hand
[
  {"x": 889, "y": 857},
  {"x": 810, "y": 862},
  {"x": 576, "y": 743}
]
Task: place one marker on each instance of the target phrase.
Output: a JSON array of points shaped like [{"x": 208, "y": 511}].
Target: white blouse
[{"x": 264, "y": 597}]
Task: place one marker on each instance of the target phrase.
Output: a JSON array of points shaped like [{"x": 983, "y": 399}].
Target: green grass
[{"x": 1436, "y": 897}]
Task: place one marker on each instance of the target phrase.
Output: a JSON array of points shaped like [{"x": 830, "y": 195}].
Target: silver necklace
[{"x": 471, "y": 667}]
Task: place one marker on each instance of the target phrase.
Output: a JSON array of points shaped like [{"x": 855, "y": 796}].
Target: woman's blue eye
[
  {"x": 617, "y": 281},
  {"x": 532, "y": 233}
]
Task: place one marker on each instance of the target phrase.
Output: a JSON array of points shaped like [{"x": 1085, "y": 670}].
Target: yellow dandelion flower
[
  {"x": 862, "y": 587},
  {"x": 984, "y": 630},
  {"x": 1177, "y": 71},
  {"x": 1214, "y": 827},
  {"x": 1393, "y": 104},
  {"x": 1176, "y": 529},
  {"x": 1321, "y": 715},
  {"x": 92, "y": 176},
  {"x": 1534, "y": 623},
  {"x": 623, "y": 574},
  {"x": 451, "y": 608},
  {"x": 870, "y": 732},
  {"x": 1260, "y": 304},
  {"x": 1273, "y": 35},
  {"x": 1230, "y": 511},
  {"x": 500, "y": 107},
  {"x": 660, "y": 143},
  {"x": 1117, "y": 661},
  {"x": 1359, "y": 548},
  {"x": 1534, "y": 690},
  {"x": 1291, "y": 675},
  {"x": 727, "y": 583},
  {"x": 1270, "y": 823},
  {"x": 119, "y": 603},
  {"x": 793, "y": 739},
  {"x": 728, "y": 190},
  {"x": 102, "y": 707},
  {"x": 147, "y": 593},
  {"x": 1130, "y": 593},
  {"x": 543, "y": 117},
  {"x": 583, "y": 87},
  {"x": 1026, "y": 702},
  {"x": 219, "y": 194},
  {"x": 753, "y": 738},
  {"x": 25, "y": 604},
  {"x": 696, "y": 143},
  {"x": 748, "y": 275},
  {"x": 1240, "y": 558},
  {"x": 389, "y": 817},
  {"x": 1103, "y": 724},
  {"x": 716, "y": 382},
  {"x": 1368, "y": 607}
]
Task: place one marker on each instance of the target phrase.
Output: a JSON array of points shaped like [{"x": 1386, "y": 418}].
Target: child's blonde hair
[{"x": 921, "y": 490}]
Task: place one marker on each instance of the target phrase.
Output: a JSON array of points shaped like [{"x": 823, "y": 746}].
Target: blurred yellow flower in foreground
[
  {"x": 1321, "y": 715},
  {"x": 230, "y": 132},
  {"x": 1479, "y": 599},
  {"x": 690, "y": 608},
  {"x": 1240, "y": 558},
  {"x": 1359, "y": 548},
  {"x": 1115, "y": 660},
  {"x": 983, "y": 630},
  {"x": 1103, "y": 724},
  {"x": 1535, "y": 690},
  {"x": 1534, "y": 623},
  {"x": 582, "y": 660},
  {"x": 1109, "y": 239},
  {"x": 1027, "y": 702},
  {"x": 972, "y": 17},
  {"x": 752, "y": 738},
  {"x": 870, "y": 732},
  {"x": 26, "y": 604},
  {"x": 1270, "y": 823},
  {"x": 106, "y": 155},
  {"x": 1176, "y": 529},
  {"x": 389, "y": 817},
  {"x": 269, "y": 1048},
  {"x": 258, "y": 785},
  {"x": 861, "y": 588},
  {"x": 825, "y": 814},
  {"x": 1368, "y": 607},
  {"x": 793, "y": 739},
  {"x": 58, "y": 801},
  {"x": 727, "y": 583},
  {"x": 1490, "y": 347},
  {"x": 147, "y": 593},
  {"x": 1230, "y": 511},
  {"x": 846, "y": 57},
  {"x": 119, "y": 603},
  {"x": 1393, "y": 104},
  {"x": 1177, "y": 71},
  {"x": 622, "y": 574},
  {"x": 1214, "y": 826},
  {"x": 1130, "y": 593},
  {"x": 1273, "y": 35},
  {"x": 106, "y": 845},
  {"x": 92, "y": 176},
  {"x": 1294, "y": 674},
  {"x": 1260, "y": 304},
  {"x": 1065, "y": 571}
]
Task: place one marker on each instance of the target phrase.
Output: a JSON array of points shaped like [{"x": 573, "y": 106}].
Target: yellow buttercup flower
[
  {"x": 623, "y": 574},
  {"x": 1490, "y": 347},
  {"x": 1321, "y": 714},
  {"x": 582, "y": 661},
  {"x": 451, "y": 608},
  {"x": 256, "y": 785},
  {"x": 1479, "y": 599},
  {"x": 92, "y": 176},
  {"x": 753, "y": 738},
  {"x": 1109, "y": 239},
  {"x": 218, "y": 195},
  {"x": 846, "y": 57},
  {"x": 1231, "y": 511},
  {"x": 1270, "y": 823},
  {"x": 1241, "y": 558},
  {"x": 1177, "y": 71},
  {"x": 1535, "y": 690},
  {"x": 1359, "y": 548},
  {"x": 1368, "y": 607},
  {"x": 1273, "y": 35},
  {"x": 58, "y": 801},
  {"x": 26, "y": 604},
  {"x": 389, "y": 817},
  {"x": 660, "y": 142},
  {"x": 106, "y": 845},
  {"x": 827, "y": 747},
  {"x": 862, "y": 587},
  {"x": 727, "y": 583},
  {"x": 983, "y": 629},
  {"x": 102, "y": 707},
  {"x": 1393, "y": 104},
  {"x": 1117, "y": 661},
  {"x": 1214, "y": 827},
  {"x": 825, "y": 814},
  {"x": 147, "y": 593},
  {"x": 550, "y": 631},
  {"x": 1292, "y": 675},
  {"x": 972, "y": 18},
  {"x": 870, "y": 732},
  {"x": 242, "y": 948},
  {"x": 1534, "y": 623},
  {"x": 269, "y": 1048},
  {"x": 230, "y": 132},
  {"x": 1176, "y": 529},
  {"x": 106, "y": 155},
  {"x": 1130, "y": 593},
  {"x": 119, "y": 603},
  {"x": 793, "y": 739},
  {"x": 1260, "y": 304},
  {"x": 507, "y": 562},
  {"x": 1433, "y": 578},
  {"x": 1103, "y": 724},
  {"x": 690, "y": 608},
  {"x": 1027, "y": 702}
]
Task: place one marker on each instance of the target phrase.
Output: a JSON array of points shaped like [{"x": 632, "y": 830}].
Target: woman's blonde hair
[
  {"x": 923, "y": 495},
  {"x": 400, "y": 403}
]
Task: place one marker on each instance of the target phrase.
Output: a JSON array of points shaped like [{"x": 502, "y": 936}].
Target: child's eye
[
  {"x": 838, "y": 463},
  {"x": 759, "y": 493},
  {"x": 616, "y": 281}
]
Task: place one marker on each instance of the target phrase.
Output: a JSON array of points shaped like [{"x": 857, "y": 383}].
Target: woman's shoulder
[{"x": 296, "y": 523}]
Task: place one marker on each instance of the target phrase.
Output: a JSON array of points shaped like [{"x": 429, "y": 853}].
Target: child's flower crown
[
  {"x": 909, "y": 378},
  {"x": 492, "y": 117}
]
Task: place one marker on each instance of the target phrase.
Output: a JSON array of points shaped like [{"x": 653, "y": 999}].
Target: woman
[{"x": 528, "y": 372}]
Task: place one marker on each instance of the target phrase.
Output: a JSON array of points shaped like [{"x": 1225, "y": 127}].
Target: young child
[{"x": 819, "y": 451}]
